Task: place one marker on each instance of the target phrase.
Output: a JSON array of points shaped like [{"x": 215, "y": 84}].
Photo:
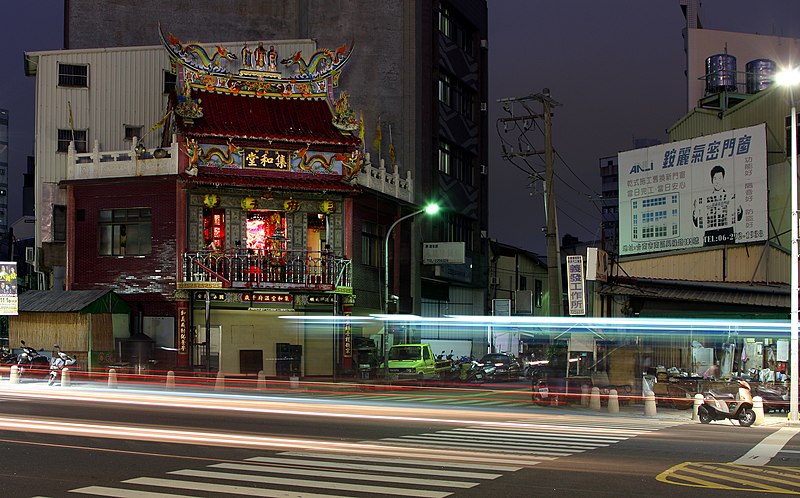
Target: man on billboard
[{"x": 717, "y": 212}]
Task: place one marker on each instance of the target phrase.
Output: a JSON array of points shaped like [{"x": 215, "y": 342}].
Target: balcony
[{"x": 249, "y": 269}]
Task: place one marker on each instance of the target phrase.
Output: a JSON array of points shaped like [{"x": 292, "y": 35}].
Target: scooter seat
[{"x": 719, "y": 395}]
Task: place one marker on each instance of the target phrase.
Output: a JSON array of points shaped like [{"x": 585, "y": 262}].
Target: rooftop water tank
[
  {"x": 760, "y": 74},
  {"x": 720, "y": 73}
]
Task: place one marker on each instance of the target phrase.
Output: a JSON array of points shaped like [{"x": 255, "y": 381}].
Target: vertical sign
[
  {"x": 9, "y": 303},
  {"x": 183, "y": 328},
  {"x": 575, "y": 294}
]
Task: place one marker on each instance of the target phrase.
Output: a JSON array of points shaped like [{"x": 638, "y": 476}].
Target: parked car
[{"x": 507, "y": 366}]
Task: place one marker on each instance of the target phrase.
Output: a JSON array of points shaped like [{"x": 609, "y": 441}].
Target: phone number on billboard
[{"x": 750, "y": 235}]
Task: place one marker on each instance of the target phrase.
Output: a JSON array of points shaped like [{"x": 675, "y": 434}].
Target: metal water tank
[
  {"x": 720, "y": 73},
  {"x": 760, "y": 74}
]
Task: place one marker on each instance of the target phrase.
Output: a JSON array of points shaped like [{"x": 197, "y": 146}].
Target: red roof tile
[
  {"x": 278, "y": 180},
  {"x": 260, "y": 118}
]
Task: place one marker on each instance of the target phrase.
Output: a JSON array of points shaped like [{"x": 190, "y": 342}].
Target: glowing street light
[
  {"x": 430, "y": 209},
  {"x": 791, "y": 78}
]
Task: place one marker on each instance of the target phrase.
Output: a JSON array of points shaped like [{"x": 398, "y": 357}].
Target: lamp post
[
  {"x": 790, "y": 78},
  {"x": 429, "y": 209}
]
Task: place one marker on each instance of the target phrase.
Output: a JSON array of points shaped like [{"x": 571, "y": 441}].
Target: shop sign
[
  {"x": 348, "y": 340},
  {"x": 326, "y": 299},
  {"x": 183, "y": 330},
  {"x": 575, "y": 294},
  {"x": 212, "y": 296},
  {"x": 267, "y": 298}
]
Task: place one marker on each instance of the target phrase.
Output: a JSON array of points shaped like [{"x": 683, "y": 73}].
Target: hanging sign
[{"x": 575, "y": 293}]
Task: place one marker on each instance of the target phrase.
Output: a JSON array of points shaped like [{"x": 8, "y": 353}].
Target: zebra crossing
[{"x": 465, "y": 457}]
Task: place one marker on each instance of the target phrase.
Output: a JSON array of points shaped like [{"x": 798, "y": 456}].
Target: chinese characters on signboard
[
  {"x": 183, "y": 329},
  {"x": 266, "y": 159},
  {"x": 705, "y": 191},
  {"x": 575, "y": 294}
]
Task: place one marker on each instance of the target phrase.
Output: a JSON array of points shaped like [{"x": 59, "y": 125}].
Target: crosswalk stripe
[
  {"x": 222, "y": 488},
  {"x": 122, "y": 493},
  {"x": 382, "y": 468},
  {"x": 532, "y": 443},
  {"x": 540, "y": 455},
  {"x": 396, "y": 461},
  {"x": 339, "y": 474},
  {"x": 336, "y": 486},
  {"x": 544, "y": 436}
]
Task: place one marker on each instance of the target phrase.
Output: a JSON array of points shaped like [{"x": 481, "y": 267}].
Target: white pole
[{"x": 794, "y": 278}]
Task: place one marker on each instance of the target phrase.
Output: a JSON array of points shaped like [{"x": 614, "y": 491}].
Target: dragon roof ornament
[{"x": 256, "y": 70}]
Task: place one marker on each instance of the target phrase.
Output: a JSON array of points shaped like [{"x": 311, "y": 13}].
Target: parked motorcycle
[
  {"x": 30, "y": 359},
  {"x": 58, "y": 362},
  {"x": 775, "y": 398},
  {"x": 718, "y": 406},
  {"x": 478, "y": 372}
]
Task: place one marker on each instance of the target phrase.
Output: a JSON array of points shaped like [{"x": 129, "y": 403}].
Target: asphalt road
[{"x": 79, "y": 440}]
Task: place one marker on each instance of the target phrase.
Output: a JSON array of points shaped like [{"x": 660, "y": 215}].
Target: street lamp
[
  {"x": 790, "y": 78},
  {"x": 430, "y": 209}
]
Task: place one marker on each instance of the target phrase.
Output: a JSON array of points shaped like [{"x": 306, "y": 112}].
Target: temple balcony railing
[
  {"x": 251, "y": 269},
  {"x": 136, "y": 161},
  {"x": 388, "y": 182}
]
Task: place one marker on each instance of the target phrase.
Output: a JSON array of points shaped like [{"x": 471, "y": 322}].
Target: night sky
[{"x": 615, "y": 66}]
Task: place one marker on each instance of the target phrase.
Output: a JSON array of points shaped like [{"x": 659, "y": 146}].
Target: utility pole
[{"x": 527, "y": 120}]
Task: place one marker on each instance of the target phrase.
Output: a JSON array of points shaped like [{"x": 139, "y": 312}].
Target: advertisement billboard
[
  {"x": 9, "y": 303},
  {"x": 701, "y": 192}
]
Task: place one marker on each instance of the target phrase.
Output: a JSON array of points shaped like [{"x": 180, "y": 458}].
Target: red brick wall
[{"x": 134, "y": 277}]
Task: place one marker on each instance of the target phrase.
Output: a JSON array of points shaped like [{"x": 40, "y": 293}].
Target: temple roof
[{"x": 291, "y": 120}]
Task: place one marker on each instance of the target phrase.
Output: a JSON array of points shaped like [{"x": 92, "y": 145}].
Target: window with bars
[
  {"x": 73, "y": 75},
  {"x": 67, "y": 136},
  {"x": 125, "y": 232}
]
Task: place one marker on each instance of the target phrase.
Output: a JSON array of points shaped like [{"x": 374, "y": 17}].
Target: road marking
[
  {"x": 222, "y": 488},
  {"x": 336, "y": 486},
  {"x": 123, "y": 493},
  {"x": 379, "y": 468},
  {"x": 733, "y": 477},
  {"x": 339, "y": 474},
  {"x": 766, "y": 450},
  {"x": 395, "y": 461}
]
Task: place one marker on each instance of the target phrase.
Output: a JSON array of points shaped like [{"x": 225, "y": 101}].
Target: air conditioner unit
[
  {"x": 30, "y": 255},
  {"x": 495, "y": 281}
]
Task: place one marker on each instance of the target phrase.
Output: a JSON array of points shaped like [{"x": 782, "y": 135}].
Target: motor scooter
[
  {"x": 717, "y": 406},
  {"x": 58, "y": 362},
  {"x": 30, "y": 358}
]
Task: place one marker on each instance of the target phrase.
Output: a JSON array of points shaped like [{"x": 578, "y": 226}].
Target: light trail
[{"x": 170, "y": 435}]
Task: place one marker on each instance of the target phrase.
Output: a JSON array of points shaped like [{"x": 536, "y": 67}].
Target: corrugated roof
[
  {"x": 763, "y": 296},
  {"x": 290, "y": 120},
  {"x": 59, "y": 301}
]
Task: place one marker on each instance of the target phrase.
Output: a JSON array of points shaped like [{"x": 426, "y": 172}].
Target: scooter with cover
[{"x": 721, "y": 406}]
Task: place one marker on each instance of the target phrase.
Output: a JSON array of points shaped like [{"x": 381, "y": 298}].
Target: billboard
[
  {"x": 701, "y": 192},
  {"x": 9, "y": 303}
]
